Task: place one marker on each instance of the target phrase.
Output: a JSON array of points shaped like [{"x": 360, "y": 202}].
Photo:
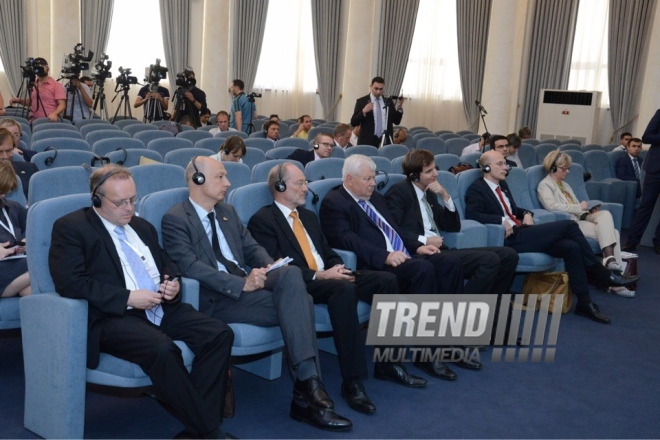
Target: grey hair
[{"x": 353, "y": 163}]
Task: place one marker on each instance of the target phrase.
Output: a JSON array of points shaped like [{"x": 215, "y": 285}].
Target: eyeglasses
[
  {"x": 564, "y": 169},
  {"x": 123, "y": 204},
  {"x": 300, "y": 183}
]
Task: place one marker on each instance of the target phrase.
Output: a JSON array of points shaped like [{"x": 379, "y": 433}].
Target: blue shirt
[{"x": 241, "y": 104}]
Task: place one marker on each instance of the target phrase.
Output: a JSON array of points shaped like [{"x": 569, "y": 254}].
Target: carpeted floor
[{"x": 603, "y": 384}]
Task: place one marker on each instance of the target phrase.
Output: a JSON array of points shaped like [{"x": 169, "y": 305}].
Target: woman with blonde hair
[
  {"x": 14, "y": 276},
  {"x": 556, "y": 195}
]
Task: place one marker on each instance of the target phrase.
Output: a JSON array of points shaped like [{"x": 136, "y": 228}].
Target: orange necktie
[{"x": 301, "y": 236}]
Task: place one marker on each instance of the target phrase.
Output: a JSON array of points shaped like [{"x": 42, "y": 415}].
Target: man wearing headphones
[
  {"x": 489, "y": 201},
  {"x": 232, "y": 150},
  {"x": 321, "y": 149},
  {"x": 355, "y": 217},
  {"x": 286, "y": 228},
  {"x": 209, "y": 243},
  {"x": 112, "y": 259},
  {"x": 272, "y": 130}
]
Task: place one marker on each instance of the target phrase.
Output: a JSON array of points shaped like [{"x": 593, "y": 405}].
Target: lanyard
[{"x": 9, "y": 226}]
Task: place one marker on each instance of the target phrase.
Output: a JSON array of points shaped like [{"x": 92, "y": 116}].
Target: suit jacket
[
  {"x": 554, "y": 200},
  {"x": 482, "y": 205},
  {"x": 403, "y": 204},
  {"x": 652, "y": 136},
  {"x": 186, "y": 241},
  {"x": 24, "y": 170},
  {"x": 367, "y": 123},
  {"x": 626, "y": 171},
  {"x": 302, "y": 156},
  {"x": 84, "y": 264},
  {"x": 511, "y": 163},
  {"x": 271, "y": 229},
  {"x": 347, "y": 226},
  {"x": 17, "y": 216}
]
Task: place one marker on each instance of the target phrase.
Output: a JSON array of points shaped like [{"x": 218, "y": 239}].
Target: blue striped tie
[
  {"x": 395, "y": 240},
  {"x": 142, "y": 277}
]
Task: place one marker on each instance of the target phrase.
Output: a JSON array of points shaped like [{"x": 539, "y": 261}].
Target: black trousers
[
  {"x": 650, "y": 194},
  {"x": 341, "y": 298},
  {"x": 488, "y": 269},
  {"x": 430, "y": 274},
  {"x": 562, "y": 239},
  {"x": 195, "y": 398}
]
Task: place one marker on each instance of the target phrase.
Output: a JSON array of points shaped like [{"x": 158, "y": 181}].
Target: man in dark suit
[
  {"x": 500, "y": 144},
  {"x": 629, "y": 167},
  {"x": 207, "y": 240},
  {"x": 651, "y": 190},
  {"x": 376, "y": 116},
  {"x": 321, "y": 149},
  {"x": 416, "y": 209},
  {"x": 24, "y": 170},
  {"x": 110, "y": 258},
  {"x": 287, "y": 229},
  {"x": 489, "y": 201},
  {"x": 355, "y": 217}
]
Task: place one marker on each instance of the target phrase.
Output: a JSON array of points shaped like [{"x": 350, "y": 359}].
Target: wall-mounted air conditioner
[{"x": 567, "y": 114}]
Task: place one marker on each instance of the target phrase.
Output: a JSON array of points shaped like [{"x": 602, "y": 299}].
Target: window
[
  {"x": 432, "y": 80},
  {"x": 589, "y": 59}
]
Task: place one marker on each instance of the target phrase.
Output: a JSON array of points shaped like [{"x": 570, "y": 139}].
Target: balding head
[{"x": 216, "y": 182}]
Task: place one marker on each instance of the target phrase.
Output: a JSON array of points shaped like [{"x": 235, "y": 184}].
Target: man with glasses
[
  {"x": 48, "y": 98},
  {"x": 286, "y": 228},
  {"x": 321, "y": 149},
  {"x": 500, "y": 144},
  {"x": 111, "y": 258},
  {"x": 489, "y": 201},
  {"x": 209, "y": 243}
]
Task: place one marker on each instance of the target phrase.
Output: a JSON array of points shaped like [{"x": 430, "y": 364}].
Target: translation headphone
[
  {"x": 101, "y": 159},
  {"x": 280, "y": 185},
  {"x": 96, "y": 200},
  {"x": 315, "y": 146},
  {"x": 384, "y": 183},
  {"x": 553, "y": 167},
  {"x": 484, "y": 168},
  {"x": 225, "y": 148},
  {"x": 198, "y": 178},
  {"x": 315, "y": 197},
  {"x": 121, "y": 162},
  {"x": 49, "y": 160}
]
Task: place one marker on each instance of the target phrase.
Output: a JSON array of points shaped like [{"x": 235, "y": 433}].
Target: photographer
[
  {"x": 190, "y": 99},
  {"x": 48, "y": 97},
  {"x": 75, "y": 100},
  {"x": 160, "y": 101},
  {"x": 242, "y": 110}
]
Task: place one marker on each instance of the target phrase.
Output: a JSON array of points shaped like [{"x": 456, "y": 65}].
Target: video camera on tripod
[
  {"x": 253, "y": 95},
  {"x": 186, "y": 79},
  {"x": 102, "y": 70},
  {"x": 76, "y": 62},
  {"x": 125, "y": 79},
  {"x": 31, "y": 69},
  {"x": 154, "y": 73}
]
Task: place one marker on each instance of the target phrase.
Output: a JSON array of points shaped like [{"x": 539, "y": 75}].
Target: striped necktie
[{"x": 392, "y": 236}]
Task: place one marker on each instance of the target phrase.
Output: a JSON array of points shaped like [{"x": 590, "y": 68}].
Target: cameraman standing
[
  {"x": 159, "y": 102},
  {"x": 48, "y": 97},
  {"x": 242, "y": 110},
  {"x": 190, "y": 99}
]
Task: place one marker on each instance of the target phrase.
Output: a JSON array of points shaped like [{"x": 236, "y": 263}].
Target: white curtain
[
  {"x": 286, "y": 75},
  {"x": 589, "y": 59},
  {"x": 432, "y": 80}
]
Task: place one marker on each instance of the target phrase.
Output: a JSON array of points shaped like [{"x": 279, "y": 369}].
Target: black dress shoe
[
  {"x": 468, "y": 364},
  {"x": 437, "y": 369},
  {"x": 356, "y": 397},
  {"x": 629, "y": 247},
  {"x": 618, "y": 280},
  {"x": 592, "y": 312},
  {"x": 397, "y": 373},
  {"x": 322, "y": 418},
  {"x": 312, "y": 392}
]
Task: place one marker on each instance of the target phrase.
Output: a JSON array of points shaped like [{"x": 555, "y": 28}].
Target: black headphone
[
  {"x": 225, "y": 148},
  {"x": 198, "y": 178},
  {"x": 484, "y": 168},
  {"x": 280, "y": 185},
  {"x": 49, "y": 160},
  {"x": 553, "y": 167},
  {"x": 384, "y": 183},
  {"x": 96, "y": 200},
  {"x": 123, "y": 161},
  {"x": 315, "y": 197},
  {"x": 101, "y": 159},
  {"x": 315, "y": 146}
]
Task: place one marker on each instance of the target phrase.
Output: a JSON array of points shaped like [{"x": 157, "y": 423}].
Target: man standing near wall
[{"x": 376, "y": 115}]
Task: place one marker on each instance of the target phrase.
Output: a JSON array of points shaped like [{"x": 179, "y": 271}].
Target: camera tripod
[
  {"x": 76, "y": 99},
  {"x": 25, "y": 94},
  {"x": 190, "y": 110},
  {"x": 125, "y": 100},
  {"x": 153, "y": 107},
  {"x": 99, "y": 101}
]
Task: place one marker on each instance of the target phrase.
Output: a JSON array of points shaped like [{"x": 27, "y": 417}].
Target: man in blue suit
[{"x": 629, "y": 167}]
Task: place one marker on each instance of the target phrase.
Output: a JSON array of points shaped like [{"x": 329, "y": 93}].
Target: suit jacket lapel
[
  {"x": 233, "y": 240},
  {"x": 197, "y": 225},
  {"x": 417, "y": 211},
  {"x": 493, "y": 197},
  {"x": 99, "y": 227}
]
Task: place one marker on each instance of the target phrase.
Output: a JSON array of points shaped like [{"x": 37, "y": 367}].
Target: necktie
[
  {"x": 395, "y": 240},
  {"x": 379, "y": 117},
  {"x": 636, "y": 167},
  {"x": 506, "y": 207},
  {"x": 231, "y": 267},
  {"x": 429, "y": 212},
  {"x": 301, "y": 236},
  {"x": 142, "y": 277}
]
